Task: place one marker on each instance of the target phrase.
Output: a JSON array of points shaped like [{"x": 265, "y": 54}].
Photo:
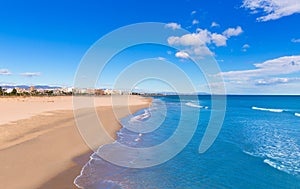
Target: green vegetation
[{"x": 14, "y": 92}]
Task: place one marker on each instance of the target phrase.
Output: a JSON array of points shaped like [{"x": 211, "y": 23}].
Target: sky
[{"x": 256, "y": 43}]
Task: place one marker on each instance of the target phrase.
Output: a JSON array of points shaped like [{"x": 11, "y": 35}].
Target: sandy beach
[{"x": 40, "y": 145}]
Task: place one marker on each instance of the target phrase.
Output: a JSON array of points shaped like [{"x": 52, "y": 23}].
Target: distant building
[
  {"x": 9, "y": 90},
  {"x": 99, "y": 92},
  {"x": 107, "y": 91},
  {"x": 90, "y": 91},
  {"x": 32, "y": 89},
  {"x": 20, "y": 90},
  {"x": 69, "y": 90},
  {"x": 126, "y": 93}
]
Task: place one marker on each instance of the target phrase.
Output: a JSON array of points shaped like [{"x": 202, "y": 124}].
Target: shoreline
[{"x": 41, "y": 160}]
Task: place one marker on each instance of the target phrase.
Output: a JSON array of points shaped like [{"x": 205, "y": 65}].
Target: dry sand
[{"x": 40, "y": 145}]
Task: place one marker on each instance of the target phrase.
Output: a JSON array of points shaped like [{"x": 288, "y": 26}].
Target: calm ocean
[{"x": 257, "y": 147}]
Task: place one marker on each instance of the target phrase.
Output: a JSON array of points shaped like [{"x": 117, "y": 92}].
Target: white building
[{"x": 9, "y": 90}]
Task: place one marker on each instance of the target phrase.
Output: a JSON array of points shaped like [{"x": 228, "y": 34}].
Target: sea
[{"x": 257, "y": 146}]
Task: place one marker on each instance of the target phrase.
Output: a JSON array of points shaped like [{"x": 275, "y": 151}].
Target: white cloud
[
  {"x": 196, "y": 43},
  {"x": 282, "y": 71},
  {"x": 182, "y": 54},
  {"x": 295, "y": 40},
  {"x": 195, "y": 22},
  {"x": 193, "y": 12},
  {"x": 200, "y": 51},
  {"x": 161, "y": 58},
  {"x": 214, "y": 24},
  {"x": 233, "y": 31},
  {"x": 30, "y": 74},
  {"x": 201, "y": 37},
  {"x": 6, "y": 84},
  {"x": 173, "y": 26},
  {"x": 218, "y": 39},
  {"x": 276, "y": 81},
  {"x": 4, "y": 72},
  {"x": 273, "y": 9},
  {"x": 245, "y": 47},
  {"x": 279, "y": 66}
]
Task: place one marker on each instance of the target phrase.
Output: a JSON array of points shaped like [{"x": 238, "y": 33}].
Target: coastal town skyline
[{"x": 256, "y": 54}]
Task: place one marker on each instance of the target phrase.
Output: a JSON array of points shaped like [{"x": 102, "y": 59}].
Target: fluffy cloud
[
  {"x": 193, "y": 12},
  {"x": 245, "y": 47},
  {"x": 30, "y": 74},
  {"x": 276, "y": 81},
  {"x": 201, "y": 37},
  {"x": 214, "y": 24},
  {"x": 233, "y": 32},
  {"x": 196, "y": 43},
  {"x": 281, "y": 72},
  {"x": 4, "y": 72},
  {"x": 276, "y": 76},
  {"x": 273, "y": 9},
  {"x": 182, "y": 54},
  {"x": 161, "y": 58},
  {"x": 279, "y": 66},
  {"x": 295, "y": 40},
  {"x": 173, "y": 26},
  {"x": 195, "y": 22},
  {"x": 200, "y": 51},
  {"x": 218, "y": 39}
]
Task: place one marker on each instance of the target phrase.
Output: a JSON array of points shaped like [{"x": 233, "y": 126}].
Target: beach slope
[{"x": 40, "y": 145}]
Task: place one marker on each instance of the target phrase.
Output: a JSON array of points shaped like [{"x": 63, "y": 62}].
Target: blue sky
[{"x": 256, "y": 43}]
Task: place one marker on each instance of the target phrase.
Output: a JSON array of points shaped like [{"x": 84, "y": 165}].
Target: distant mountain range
[
  {"x": 27, "y": 86},
  {"x": 174, "y": 93}
]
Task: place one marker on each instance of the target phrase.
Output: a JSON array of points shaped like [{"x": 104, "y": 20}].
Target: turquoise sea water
[{"x": 258, "y": 147}]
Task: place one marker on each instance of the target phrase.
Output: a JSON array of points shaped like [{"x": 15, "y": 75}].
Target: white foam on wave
[
  {"x": 279, "y": 167},
  {"x": 278, "y": 150},
  {"x": 141, "y": 117},
  {"x": 297, "y": 114},
  {"x": 195, "y": 105},
  {"x": 250, "y": 153},
  {"x": 268, "y": 109},
  {"x": 137, "y": 139}
]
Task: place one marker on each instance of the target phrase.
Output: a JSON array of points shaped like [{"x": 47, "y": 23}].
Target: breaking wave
[
  {"x": 268, "y": 109},
  {"x": 141, "y": 117},
  {"x": 195, "y": 105}
]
